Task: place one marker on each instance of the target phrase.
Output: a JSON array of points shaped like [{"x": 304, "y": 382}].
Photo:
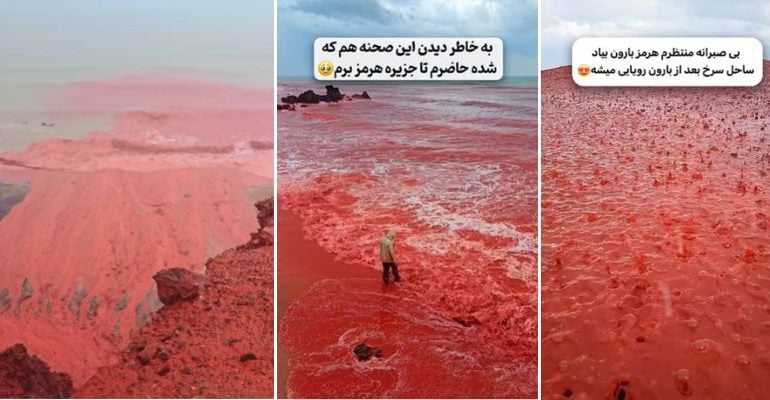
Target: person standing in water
[{"x": 388, "y": 258}]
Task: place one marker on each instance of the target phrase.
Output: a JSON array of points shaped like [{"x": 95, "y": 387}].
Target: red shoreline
[{"x": 301, "y": 263}]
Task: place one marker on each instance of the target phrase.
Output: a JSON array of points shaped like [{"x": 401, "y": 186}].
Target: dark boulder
[
  {"x": 178, "y": 284},
  {"x": 332, "y": 94},
  {"x": 309, "y": 97},
  {"x": 364, "y": 352}
]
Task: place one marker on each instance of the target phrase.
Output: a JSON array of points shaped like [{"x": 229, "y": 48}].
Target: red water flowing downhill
[{"x": 656, "y": 258}]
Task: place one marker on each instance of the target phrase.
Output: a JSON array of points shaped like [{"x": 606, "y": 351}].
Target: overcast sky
[
  {"x": 301, "y": 21},
  {"x": 566, "y": 20},
  {"x": 52, "y": 40}
]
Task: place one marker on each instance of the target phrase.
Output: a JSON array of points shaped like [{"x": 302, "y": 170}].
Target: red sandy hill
[{"x": 219, "y": 344}]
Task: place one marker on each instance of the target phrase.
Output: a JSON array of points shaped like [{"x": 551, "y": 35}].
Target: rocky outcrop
[
  {"x": 333, "y": 95},
  {"x": 365, "y": 352},
  {"x": 264, "y": 235},
  {"x": 218, "y": 345},
  {"x": 178, "y": 284},
  {"x": 23, "y": 375}
]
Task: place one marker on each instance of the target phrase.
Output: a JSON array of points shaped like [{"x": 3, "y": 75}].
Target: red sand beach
[
  {"x": 656, "y": 257},
  {"x": 172, "y": 183},
  {"x": 455, "y": 176},
  {"x": 304, "y": 263}
]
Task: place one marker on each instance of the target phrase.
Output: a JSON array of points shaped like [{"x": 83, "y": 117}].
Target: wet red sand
[
  {"x": 456, "y": 180},
  {"x": 304, "y": 263},
  {"x": 656, "y": 254},
  {"x": 168, "y": 186}
]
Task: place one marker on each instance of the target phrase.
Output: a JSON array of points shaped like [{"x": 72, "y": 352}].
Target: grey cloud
[{"x": 367, "y": 10}]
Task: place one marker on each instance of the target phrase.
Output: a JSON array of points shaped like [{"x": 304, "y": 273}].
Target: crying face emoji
[
  {"x": 584, "y": 70},
  {"x": 325, "y": 68}
]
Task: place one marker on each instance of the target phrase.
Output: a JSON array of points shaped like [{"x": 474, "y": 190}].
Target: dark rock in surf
[
  {"x": 364, "y": 96},
  {"x": 333, "y": 95},
  {"x": 467, "y": 321},
  {"x": 364, "y": 352}
]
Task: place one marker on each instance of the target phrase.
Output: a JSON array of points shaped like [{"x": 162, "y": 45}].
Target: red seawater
[
  {"x": 453, "y": 170},
  {"x": 656, "y": 254}
]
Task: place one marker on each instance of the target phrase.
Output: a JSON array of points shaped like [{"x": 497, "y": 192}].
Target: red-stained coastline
[
  {"x": 170, "y": 184},
  {"x": 303, "y": 264},
  {"x": 656, "y": 250},
  {"x": 455, "y": 175}
]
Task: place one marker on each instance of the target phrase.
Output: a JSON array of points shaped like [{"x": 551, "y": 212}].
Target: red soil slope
[
  {"x": 220, "y": 345},
  {"x": 656, "y": 254}
]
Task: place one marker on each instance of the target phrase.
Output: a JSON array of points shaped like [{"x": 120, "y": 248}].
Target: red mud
[
  {"x": 169, "y": 186},
  {"x": 461, "y": 196},
  {"x": 656, "y": 258}
]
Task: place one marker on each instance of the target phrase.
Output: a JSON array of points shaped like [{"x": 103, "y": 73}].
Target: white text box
[
  {"x": 671, "y": 61},
  {"x": 409, "y": 59}
]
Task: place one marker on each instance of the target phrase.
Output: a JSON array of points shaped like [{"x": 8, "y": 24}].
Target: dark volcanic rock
[
  {"x": 309, "y": 97},
  {"x": 264, "y": 236},
  {"x": 22, "y": 375},
  {"x": 364, "y": 96},
  {"x": 248, "y": 357},
  {"x": 332, "y": 95},
  {"x": 259, "y": 239},
  {"x": 364, "y": 352},
  {"x": 265, "y": 213},
  {"x": 177, "y": 284}
]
